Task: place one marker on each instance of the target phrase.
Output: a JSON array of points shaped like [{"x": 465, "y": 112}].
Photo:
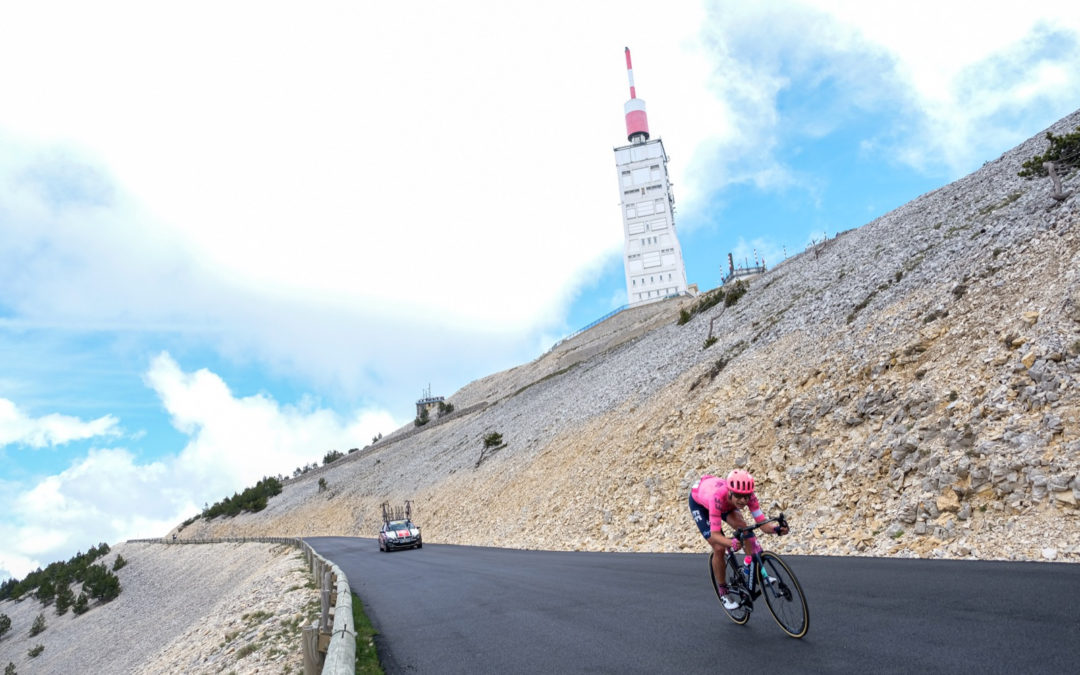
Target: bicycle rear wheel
[
  {"x": 784, "y": 596},
  {"x": 740, "y": 615}
]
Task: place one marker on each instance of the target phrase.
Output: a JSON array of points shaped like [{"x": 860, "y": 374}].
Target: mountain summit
[{"x": 907, "y": 388}]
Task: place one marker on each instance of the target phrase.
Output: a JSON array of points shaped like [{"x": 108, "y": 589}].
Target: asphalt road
[{"x": 462, "y": 609}]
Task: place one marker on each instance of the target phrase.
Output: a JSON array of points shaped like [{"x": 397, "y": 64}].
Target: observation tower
[{"x": 652, "y": 257}]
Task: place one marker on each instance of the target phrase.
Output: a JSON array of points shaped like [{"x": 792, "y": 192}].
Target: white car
[{"x": 399, "y": 534}]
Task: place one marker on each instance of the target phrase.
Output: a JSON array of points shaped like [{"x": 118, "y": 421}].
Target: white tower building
[{"x": 652, "y": 257}]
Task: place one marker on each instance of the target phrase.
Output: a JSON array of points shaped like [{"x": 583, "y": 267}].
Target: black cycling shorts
[{"x": 701, "y": 516}]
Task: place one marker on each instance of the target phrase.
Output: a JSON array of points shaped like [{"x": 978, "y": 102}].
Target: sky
[{"x": 237, "y": 236}]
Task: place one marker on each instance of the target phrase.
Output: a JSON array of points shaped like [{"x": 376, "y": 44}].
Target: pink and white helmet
[{"x": 740, "y": 481}]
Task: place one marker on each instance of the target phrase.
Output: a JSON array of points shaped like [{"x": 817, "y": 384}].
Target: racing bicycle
[{"x": 766, "y": 574}]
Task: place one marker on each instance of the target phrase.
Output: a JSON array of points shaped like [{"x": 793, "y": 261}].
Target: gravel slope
[{"x": 183, "y": 609}]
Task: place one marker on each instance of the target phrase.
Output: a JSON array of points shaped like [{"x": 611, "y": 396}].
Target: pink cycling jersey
[{"x": 712, "y": 493}]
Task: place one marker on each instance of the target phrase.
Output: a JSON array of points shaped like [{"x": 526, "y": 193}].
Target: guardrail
[
  {"x": 328, "y": 648},
  {"x": 581, "y": 330}
]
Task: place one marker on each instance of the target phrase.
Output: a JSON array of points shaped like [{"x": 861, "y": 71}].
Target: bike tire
[
  {"x": 740, "y": 615},
  {"x": 785, "y": 597}
]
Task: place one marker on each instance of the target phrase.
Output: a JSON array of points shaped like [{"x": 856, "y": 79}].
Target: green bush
[
  {"x": 331, "y": 456},
  {"x": 118, "y": 563},
  {"x": 1064, "y": 151},
  {"x": 10, "y": 670},
  {"x": 738, "y": 290},
  {"x": 307, "y": 467},
  {"x": 38, "y": 625},
  {"x": 492, "y": 440},
  {"x": 705, "y": 302},
  {"x": 5, "y": 624},
  {"x": 252, "y": 499},
  {"x": 35, "y": 650}
]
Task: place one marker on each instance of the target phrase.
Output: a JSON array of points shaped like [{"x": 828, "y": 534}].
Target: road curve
[{"x": 463, "y": 609}]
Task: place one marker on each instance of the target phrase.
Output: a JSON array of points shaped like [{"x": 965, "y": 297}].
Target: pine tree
[
  {"x": 101, "y": 583},
  {"x": 38, "y": 626},
  {"x": 1063, "y": 150},
  {"x": 65, "y": 598}
]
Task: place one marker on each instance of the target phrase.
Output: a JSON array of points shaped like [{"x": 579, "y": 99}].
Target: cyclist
[{"x": 714, "y": 501}]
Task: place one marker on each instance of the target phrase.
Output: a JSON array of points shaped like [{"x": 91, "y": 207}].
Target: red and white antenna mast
[{"x": 637, "y": 125}]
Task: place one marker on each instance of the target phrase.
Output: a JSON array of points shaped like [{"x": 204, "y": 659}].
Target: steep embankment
[
  {"x": 907, "y": 388},
  {"x": 183, "y": 609}
]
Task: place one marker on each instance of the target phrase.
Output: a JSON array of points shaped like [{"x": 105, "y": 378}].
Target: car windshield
[{"x": 398, "y": 525}]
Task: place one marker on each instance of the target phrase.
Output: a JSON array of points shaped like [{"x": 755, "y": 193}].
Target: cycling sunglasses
[{"x": 741, "y": 495}]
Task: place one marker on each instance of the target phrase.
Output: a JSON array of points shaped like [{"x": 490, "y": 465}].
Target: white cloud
[
  {"x": 18, "y": 428},
  {"x": 960, "y": 81},
  {"x": 240, "y": 440},
  {"x": 112, "y": 495},
  {"x": 418, "y": 162},
  {"x": 367, "y": 155},
  {"x": 105, "y": 496},
  {"x": 339, "y": 180}
]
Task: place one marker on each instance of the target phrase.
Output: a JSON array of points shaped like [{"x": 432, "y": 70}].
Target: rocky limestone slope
[{"x": 908, "y": 388}]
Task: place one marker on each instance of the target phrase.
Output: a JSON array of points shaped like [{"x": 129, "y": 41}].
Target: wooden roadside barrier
[{"x": 329, "y": 643}]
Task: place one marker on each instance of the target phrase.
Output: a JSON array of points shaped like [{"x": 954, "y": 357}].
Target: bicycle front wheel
[
  {"x": 741, "y": 614},
  {"x": 784, "y": 596}
]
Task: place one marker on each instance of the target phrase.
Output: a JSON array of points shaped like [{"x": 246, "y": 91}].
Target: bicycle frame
[{"x": 748, "y": 587}]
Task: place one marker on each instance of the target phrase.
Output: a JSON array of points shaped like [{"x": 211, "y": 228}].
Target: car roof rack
[{"x": 397, "y": 512}]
